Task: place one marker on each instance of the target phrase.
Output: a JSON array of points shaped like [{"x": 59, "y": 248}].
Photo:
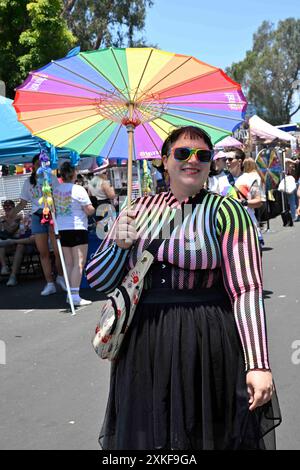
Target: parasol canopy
[
  {"x": 85, "y": 101},
  {"x": 93, "y": 102}
]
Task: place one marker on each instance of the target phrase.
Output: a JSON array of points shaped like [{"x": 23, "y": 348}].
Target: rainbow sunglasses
[{"x": 183, "y": 154}]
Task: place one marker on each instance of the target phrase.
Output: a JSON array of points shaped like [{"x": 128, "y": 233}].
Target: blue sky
[{"x": 216, "y": 31}]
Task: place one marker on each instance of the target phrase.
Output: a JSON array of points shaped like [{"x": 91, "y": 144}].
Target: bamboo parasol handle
[{"x": 130, "y": 130}]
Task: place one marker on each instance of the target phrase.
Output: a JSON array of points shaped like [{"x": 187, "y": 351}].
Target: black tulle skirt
[{"x": 180, "y": 383}]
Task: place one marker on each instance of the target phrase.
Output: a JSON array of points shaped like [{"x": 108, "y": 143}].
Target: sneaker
[
  {"x": 61, "y": 283},
  {"x": 12, "y": 281},
  {"x": 5, "y": 270},
  {"x": 81, "y": 302},
  {"x": 49, "y": 289}
]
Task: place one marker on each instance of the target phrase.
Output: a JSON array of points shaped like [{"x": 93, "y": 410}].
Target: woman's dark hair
[
  {"x": 32, "y": 179},
  {"x": 8, "y": 202},
  {"x": 213, "y": 171},
  {"x": 193, "y": 132},
  {"x": 240, "y": 155},
  {"x": 67, "y": 171}
]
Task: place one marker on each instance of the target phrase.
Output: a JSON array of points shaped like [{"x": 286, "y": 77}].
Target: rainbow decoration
[
  {"x": 85, "y": 101},
  {"x": 269, "y": 167},
  {"x": 147, "y": 180},
  {"x": 44, "y": 176}
]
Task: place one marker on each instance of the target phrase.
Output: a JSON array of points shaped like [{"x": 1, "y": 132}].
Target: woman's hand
[
  {"x": 126, "y": 233},
  {"x": 260, "y": 387}
]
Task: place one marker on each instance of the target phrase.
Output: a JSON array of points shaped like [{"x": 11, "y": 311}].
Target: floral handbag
[{"x": 117, "y": 312}]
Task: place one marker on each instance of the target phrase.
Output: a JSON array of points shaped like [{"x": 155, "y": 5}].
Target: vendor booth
[{"x": 264, "y": 130}]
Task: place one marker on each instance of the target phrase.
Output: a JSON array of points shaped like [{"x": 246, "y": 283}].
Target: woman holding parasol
[{"x": 191, "y": 373}]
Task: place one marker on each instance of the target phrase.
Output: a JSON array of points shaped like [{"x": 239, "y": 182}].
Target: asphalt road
[{"x": 53, "y": 388}]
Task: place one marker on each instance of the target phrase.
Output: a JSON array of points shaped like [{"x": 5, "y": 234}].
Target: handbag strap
[{"x": 232, "y": 183}]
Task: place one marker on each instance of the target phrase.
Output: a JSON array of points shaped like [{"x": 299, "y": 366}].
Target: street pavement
[{"x": 53, "y": 387}]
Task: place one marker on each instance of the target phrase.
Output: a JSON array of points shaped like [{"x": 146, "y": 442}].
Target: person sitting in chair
[{"x": 15, "y": 234}]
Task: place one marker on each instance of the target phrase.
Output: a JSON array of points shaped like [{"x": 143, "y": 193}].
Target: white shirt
[
  {"x": 95, "y": 188},
  {"x": 217, "y": 183},
  {"x": 32, "y": 193},
  {"x": 70, "y": 200}
]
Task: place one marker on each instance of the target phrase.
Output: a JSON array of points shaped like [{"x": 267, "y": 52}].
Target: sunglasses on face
[
  {"x": 183, "y": 154},
  {"x": 230, "y": 159},
  {"x": 6, "y": 208}
]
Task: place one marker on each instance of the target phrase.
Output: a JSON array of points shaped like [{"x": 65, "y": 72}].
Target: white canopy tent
[{"x": 266, "y": 131}]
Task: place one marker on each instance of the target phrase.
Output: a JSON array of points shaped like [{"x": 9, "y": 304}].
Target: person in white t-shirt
[
  {"x": 32, "y": 192},
  {"x": 73, "y": 206}
]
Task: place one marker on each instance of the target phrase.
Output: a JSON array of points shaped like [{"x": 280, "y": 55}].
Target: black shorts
[{"x": 72, "y": 238}]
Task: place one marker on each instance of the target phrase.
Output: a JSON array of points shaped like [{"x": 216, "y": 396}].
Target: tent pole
[
  {"x": 250, "y": 140},
  {"x": 268, "y": 210},
  {"x": 63, "y": 264},
  {"x": 283, "y": 175}
]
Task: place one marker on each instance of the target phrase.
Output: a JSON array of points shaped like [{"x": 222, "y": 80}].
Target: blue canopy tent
[{"x": 16, "y": 143}]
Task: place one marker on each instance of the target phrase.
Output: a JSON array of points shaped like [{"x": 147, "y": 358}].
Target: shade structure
[
  {"x": 85, "y": 101},
  {"x": 15, "y": 138},
  {"x": 95, "y": 102},
  {"x": 266, "y": 131}
]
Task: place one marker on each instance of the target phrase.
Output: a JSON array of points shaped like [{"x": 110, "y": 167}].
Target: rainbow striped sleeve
[
  {"x": 242, "y": 275},
  {"x": 108, "y": 265}
]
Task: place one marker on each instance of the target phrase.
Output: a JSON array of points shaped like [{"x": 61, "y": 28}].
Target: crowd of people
[
  {"x": 231, "y": 173},
  {"x": 76, "y": 200}
]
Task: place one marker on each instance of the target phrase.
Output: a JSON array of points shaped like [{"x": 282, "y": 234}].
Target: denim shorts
[{"x": 36, "y": 226}]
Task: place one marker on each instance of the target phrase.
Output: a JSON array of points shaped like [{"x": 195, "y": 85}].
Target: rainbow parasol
[{"x": 93, "y": 102}]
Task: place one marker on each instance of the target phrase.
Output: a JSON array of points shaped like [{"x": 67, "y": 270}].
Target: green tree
[
  {"x": 107, "y": 22},
  {"x": 268, "y": 71},
  {"x": 32, "y": 32}
]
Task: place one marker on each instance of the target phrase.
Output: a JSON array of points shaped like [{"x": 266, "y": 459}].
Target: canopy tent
[
  {"x": 292, "y": 127},
  {"x": 266, "y": 131},
  {"x": 15, "y": 139}
]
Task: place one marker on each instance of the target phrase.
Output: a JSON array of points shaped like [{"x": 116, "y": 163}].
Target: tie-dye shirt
[
  {"x": 70, "y": 200},
  {"x": 204, "y": 238}
]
